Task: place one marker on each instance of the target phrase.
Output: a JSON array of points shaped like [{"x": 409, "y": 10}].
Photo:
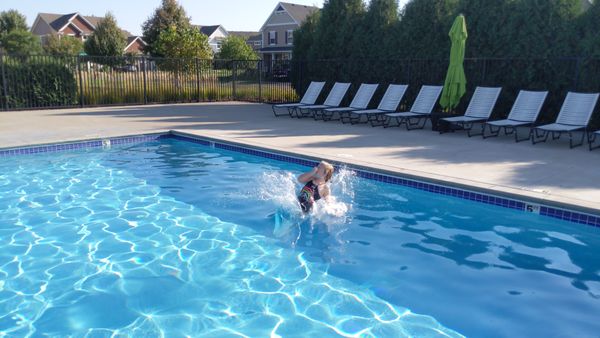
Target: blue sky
[{"x": 234, "y": 15}]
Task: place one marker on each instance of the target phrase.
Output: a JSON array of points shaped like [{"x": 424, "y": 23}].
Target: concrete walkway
[{"x": 550, "y": 172}]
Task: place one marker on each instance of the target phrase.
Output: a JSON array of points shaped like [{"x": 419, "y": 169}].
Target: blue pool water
[{"x": 172, "y": 238}]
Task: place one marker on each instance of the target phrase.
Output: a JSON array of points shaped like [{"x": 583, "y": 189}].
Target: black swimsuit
[{"x": 308, "y": 195}]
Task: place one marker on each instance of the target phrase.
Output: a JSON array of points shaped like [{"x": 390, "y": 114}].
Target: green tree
[
  {"x": 589, "y": 32},
  {"x": 235, "y": 48},
  {"x": 304, "y": 37},
  {"x": 20, "y": 42},
  {"x": 107, "y": 39},
  {"x": 335, "y": 29},
  {"x": 375, "y": 29},
  {"x": 12, "y": 20},
  {"x": 63, "y": 45},
  {"x": 170, "y": 13},
  {"x": 183, "y": 43},
  {"x": 422, "y": 31}
]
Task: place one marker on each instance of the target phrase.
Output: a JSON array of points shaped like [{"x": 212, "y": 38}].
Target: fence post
[
  {"x": 234, "y": 76},
  {"x": 145, "y": 76},
  {"x": 198, "y": 79},
  {"x": 4, "y": 84},
  {"x": 259, "y": 66},
  {"x": 81, "y": 102}
]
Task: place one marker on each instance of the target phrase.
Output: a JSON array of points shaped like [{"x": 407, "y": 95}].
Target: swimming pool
[{"x": 174, "y": 238}]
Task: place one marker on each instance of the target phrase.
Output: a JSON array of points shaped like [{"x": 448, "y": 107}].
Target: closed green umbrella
[{"x": 456, "y": 83}]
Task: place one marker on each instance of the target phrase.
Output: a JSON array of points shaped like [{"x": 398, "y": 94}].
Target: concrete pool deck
[{"x": 549, "y": 172}]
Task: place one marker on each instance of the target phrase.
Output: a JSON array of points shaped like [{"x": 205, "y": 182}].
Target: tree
[
  {"x": 107, "y": 39},
  {"x": 590, "y": 42},
  {"x": 335, "y": 29},
  {"x": 236, "y": 48},
  {"x": 63, "y": 45},
  {"x": 170, "y": 13},
  {"x": 12, "y": 20},
  {"x": 15, "y": 37},
  {"x": 188, "y": 42},
  {"x": 20, "y": 42}
]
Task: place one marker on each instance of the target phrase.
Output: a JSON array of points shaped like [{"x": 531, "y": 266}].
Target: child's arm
[
  {"x": 307, "y": 176},
  {"x": 325, "y": 192}
]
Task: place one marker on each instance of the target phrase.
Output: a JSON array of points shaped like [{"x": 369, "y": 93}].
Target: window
[
  {"x": 257, "y": 43},
  {"x": 272, "y": 38},
  {"x": 289, "y": 37}
]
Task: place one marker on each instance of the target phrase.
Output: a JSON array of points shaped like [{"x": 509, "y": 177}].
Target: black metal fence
[
  {"x": 557, "y": 75},
  {"x": 30, "y": 82},
  {"x": 43, "y": 81}
]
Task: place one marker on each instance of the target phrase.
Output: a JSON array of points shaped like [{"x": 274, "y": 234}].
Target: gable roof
[
  {"x": 59, "y": 21},
  {"x": 298, "y": 12},
  {"x": 208, "y": 30}
]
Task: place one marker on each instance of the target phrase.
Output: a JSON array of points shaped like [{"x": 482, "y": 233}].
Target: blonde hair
[{"x": 328, "y": 170}]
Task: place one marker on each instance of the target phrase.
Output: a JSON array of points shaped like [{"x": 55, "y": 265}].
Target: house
[
  {"x": 216, "y": 34},
  {"x": 253, "y": 39},
  {"x": 78, "y": 26},
  {"x": 278, "y": 31}
]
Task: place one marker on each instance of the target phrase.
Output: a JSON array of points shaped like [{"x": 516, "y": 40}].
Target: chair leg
[
  {"x": 493, "y": 133},
  {"x": 278, "y": 114},
  {"x": 517, "y": 139},
  {"x": 591, "y": 140},
  {"x": 388, "y": 121},
  {"x": 477, "y": 134},
  {"x": 571, "y": 144},
  {"x": 417, "y": 125},
  {"x": 539, "y": 138}
]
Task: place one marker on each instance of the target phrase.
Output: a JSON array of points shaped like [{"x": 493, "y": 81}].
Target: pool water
[{"x": 172, "y": 238}]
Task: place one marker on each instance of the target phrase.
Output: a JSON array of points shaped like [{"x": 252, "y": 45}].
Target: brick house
[
  {"x": 278, "y": 30},
  {"x": 78, "y": 26}
]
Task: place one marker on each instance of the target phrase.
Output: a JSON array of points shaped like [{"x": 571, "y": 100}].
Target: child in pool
[{"x": 315, "y": 186}]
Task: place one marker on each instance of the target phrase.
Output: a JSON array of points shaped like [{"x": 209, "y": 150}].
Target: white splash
[{"x": 281, "y": 189}]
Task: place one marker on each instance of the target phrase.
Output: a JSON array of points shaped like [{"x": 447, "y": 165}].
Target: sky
[{"x": 234, "y": 15}]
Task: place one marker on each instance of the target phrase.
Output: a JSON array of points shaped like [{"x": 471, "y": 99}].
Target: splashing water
[{"x": 281, "y": 189}]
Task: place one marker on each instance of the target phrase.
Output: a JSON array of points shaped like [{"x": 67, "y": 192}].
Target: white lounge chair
[
  {"x": 310, "y": 97},
  {"x": 420, "y": 110},
  {"x": 523, "y": 113},
  {"x": 479, "y": 110},
  {"x": 360, "y": 101},
  {"x": 333, "y": 100},
  {"x": 388, "y": 104},
  {"x": 574, "y": 115},
  {"x": 592, "y": 138}
]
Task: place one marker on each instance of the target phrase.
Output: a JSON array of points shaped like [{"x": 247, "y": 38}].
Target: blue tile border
[
  {"x": 544, "y": 210},
  {"x": 49, "y": 148}
]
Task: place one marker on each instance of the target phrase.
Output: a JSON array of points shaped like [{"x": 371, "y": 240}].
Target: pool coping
[{"x": 564, "y": 211}]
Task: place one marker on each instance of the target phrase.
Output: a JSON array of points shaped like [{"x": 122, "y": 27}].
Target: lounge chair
[
  {"x": 333, "y": 100},
  {"x": 574, "y": 115},
  {"x": 388, "y": 104},
  {"x": 479, "y": 110},
  {"x": 360, "y": 101},
  {"x": 592, "y": 138},
  {"x": 420, "y": 110},
  {"x": 310, "y": 97},
  {"x": 524, "y": 113}
]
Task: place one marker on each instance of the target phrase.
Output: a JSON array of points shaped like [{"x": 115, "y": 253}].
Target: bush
[{"x": 35, "y": 82}]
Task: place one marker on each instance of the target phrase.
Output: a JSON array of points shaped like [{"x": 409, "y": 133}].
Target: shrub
[{"x": 39, "y": 82}]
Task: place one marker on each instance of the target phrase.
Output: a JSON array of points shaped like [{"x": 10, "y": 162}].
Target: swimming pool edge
[{"x": 561, "y": 210}]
